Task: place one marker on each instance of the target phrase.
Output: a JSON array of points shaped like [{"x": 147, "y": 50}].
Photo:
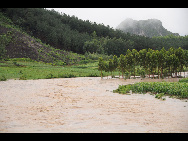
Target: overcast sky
[{"x": 173, "y": 19}]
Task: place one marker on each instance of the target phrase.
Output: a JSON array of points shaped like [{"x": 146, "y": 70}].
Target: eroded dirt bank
[{"x": 85, "y": 105}]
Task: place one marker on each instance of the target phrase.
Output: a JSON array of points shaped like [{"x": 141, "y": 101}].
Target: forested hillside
[
  {"x": 15, "y": 43},
  {"x": 72, "y": 34}
]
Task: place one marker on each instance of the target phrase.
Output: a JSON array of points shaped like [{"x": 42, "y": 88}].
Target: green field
[{"x": 23, "y": 69}]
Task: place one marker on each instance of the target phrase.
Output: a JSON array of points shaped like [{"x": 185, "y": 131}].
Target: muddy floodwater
[{"x": 86, "y": 104}]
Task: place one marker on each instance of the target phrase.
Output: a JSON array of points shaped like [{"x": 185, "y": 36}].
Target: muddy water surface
[{"x": 86, "y": 105}]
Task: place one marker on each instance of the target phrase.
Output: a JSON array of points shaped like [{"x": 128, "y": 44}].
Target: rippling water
[{"x": 86, "y": 104}]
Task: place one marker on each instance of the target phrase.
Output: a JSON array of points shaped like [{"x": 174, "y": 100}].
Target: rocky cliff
[{"x": 148, "y": 28}]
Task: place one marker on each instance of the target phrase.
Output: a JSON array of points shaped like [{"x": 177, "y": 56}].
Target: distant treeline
[{"x": 72, "y": 34}]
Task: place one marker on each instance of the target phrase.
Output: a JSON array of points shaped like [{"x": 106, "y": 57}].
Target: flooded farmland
[{"x": 86, "y": 104}]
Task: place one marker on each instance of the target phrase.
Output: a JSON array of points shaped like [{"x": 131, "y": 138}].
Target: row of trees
[{"x": 150, "y": 61}]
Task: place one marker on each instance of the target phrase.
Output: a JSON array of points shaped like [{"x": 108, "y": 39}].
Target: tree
[
  {"x": 135, "y": 59},
  {"x": 162, "y": 59},
  {"x": 186, "y": 59},
  {"x": 106, "y": 68},
  {"x": 115, "y": 62},
  {"x": 180, "y": 54},
  {"x": 129, "y": 58},
  {"x": 95, "y": 45},
  {"x": 142, "y": 58},
  {"x": 122, "y": 64},
  {"x": 157, "y": 61},
  {"x": 111, "y": 66},
  {"x": 94, "y": 35},
  {"x": 91, "y": 46},
  {"x": 153, "y": 62},
  {"x": 148, "y": 60},
  {"x": 175, "y": 63},
  {"x": 101, "y": 65}
]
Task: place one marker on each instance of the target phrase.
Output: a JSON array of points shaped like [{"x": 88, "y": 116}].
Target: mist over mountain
[{"x": 148, "y": 28}]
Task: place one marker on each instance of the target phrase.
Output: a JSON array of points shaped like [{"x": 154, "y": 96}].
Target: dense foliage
[
  {"x": 72, "y": 34},
  {"x": 171, "y": 88},
  {"x": 15, "y": 43},
  {"x": 161, "y": 62},
  {"x": 184, "y": 80}
]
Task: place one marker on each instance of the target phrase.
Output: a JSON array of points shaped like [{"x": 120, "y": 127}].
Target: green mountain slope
[
  {"x": 52, "y": 35},
  {"x": 148, "y": 28},
  {"x": 18, "y": 44}
]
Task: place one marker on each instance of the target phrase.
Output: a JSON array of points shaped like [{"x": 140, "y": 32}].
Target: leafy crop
[
  {"x": 169, "y": 88},
  {"x": 184, "y": 80}
]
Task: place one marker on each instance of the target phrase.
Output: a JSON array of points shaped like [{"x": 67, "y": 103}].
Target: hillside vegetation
[
  {"x": 56, "y": 39},
  {"x": 69, "y": 33},
  {"x": 15, "y": 43}
]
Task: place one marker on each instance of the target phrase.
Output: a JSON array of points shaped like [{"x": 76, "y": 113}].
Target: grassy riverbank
[{"x": 24, "y": 69}]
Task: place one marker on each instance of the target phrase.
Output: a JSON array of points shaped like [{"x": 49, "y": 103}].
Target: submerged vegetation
[{"x": 177, "y": 89}]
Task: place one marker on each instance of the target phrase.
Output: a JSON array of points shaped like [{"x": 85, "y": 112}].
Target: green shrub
[
  {"x": 3, "y": 78},
  {"x": 23, "y": 77},
  {"x": 66, "y": 75},
  {"x": 123, "y": 89},
  {"x": 59, "y": 63},
  {"x": 159, "y": 96},
  {"x": 184, "y": 80},
  {"x": 92, "y": 75},
  {"x": 49, "y": 76}
]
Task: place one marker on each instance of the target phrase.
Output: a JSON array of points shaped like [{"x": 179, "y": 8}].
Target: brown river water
[{"x": 86, "y": 104}]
